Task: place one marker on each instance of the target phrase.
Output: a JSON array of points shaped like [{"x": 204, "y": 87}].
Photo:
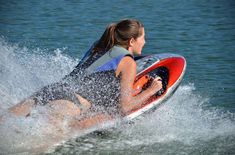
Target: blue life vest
[{"x": 108, "y": 61}]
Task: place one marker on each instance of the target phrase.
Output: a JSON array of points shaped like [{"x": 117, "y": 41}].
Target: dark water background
[{"x": 41, "y": 41}]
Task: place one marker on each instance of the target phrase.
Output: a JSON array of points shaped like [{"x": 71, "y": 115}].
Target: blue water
[{"x": 41, "y": 41}]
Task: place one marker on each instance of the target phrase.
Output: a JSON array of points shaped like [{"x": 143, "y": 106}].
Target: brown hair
[{"x": 118, "y": 34}]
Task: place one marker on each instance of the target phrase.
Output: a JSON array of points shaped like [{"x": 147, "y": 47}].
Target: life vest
[{"x": 109, "y": 61}]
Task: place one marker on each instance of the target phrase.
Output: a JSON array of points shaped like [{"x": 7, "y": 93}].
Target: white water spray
[{"x": 184, "y": 117}]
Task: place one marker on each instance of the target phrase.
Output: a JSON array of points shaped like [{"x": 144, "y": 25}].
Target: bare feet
[{"x": 85, "y": 103}]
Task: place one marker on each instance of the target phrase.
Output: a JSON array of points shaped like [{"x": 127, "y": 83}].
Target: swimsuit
[{"x": 93, "y": 78}]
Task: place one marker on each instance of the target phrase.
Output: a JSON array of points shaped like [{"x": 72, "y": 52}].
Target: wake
[{"x": 185, "y": 117}]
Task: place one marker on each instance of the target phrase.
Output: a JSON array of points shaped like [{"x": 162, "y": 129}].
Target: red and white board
[{"x": 170, "y": 67}]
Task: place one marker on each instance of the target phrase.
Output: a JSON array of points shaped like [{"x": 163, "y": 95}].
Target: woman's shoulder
[
  {"x": 128, "y": 61},
  {"x": 126, "y": 66}
]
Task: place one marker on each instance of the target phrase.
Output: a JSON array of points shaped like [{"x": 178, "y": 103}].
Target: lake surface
[{"x": 41, "y": 41}]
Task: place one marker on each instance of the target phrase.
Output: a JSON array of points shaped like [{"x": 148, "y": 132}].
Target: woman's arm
[{"x": 127, "y": 71}]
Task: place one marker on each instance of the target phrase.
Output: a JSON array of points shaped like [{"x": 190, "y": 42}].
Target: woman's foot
[{"x": 23, "y": 108}]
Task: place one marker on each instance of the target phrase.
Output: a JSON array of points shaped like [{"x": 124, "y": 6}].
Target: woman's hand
[{"x": 156, "y": 84}]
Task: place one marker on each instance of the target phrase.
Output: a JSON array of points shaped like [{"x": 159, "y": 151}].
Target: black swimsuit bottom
[{"x": 56, "y": 91}]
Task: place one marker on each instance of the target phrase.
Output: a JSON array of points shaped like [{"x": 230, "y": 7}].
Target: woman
[
  {"x": 112, "y": 58},
  {"x": 102, "y": 82}
]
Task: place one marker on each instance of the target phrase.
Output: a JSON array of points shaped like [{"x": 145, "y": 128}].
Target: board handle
[
  {"x": 140, "y": 85},
  {"x": 143, "y": 83}
]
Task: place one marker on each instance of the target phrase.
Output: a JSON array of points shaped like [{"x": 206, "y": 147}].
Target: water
[{"x": 41, "y": 41}]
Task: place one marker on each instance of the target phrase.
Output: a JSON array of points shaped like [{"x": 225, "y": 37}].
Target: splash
[
  {"x": 182, "y": 125},
  {"x": 185, "y": 119},
  {"x": 22, "y": 72}
]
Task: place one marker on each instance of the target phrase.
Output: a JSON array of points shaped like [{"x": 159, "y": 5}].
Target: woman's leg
[
  {"x": 23, "y": 108},
  {"x": 64, "y": 108},
  {"x": 88, "y": 122},
  {"x": 60, "y": 109}
]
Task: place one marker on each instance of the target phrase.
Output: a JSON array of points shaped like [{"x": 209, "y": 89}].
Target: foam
[
  {"x": 185, "y": 117},
  {"x": 24, "y": 71}
]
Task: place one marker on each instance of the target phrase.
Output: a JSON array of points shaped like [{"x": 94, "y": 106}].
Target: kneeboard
[{"x": 171, "y": 69}]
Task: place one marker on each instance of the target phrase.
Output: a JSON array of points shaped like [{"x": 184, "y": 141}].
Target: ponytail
[
  {"x": 110, "y": 36},
  {"x": 118, "y": 34},
  {"x": 107, "y": 40}
]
